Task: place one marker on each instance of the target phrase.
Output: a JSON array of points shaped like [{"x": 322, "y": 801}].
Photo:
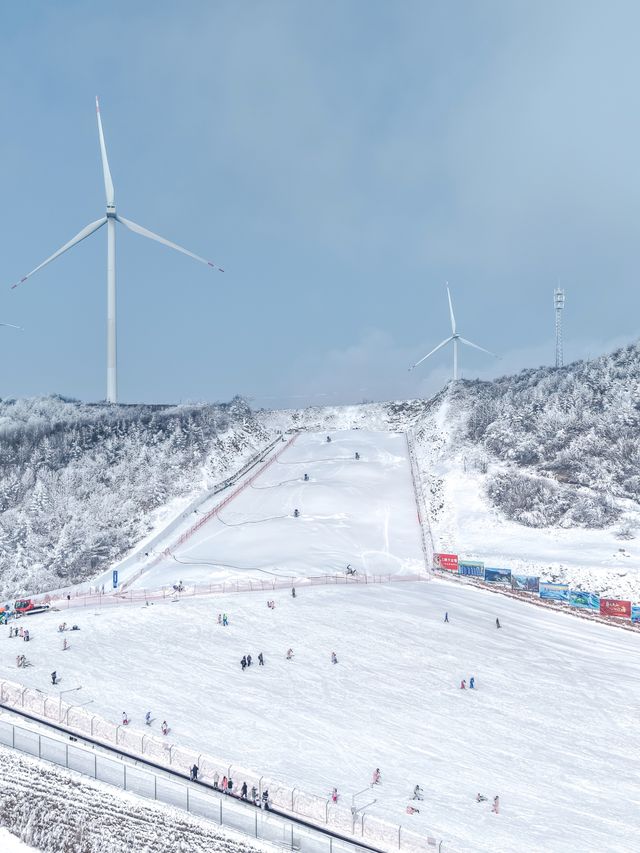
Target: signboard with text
[
  {"x": 615, "y": 607},
  {"x": 446, "y": 561}
]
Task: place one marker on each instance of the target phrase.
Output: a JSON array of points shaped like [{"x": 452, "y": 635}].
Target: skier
[
  {"x": 193, "y": 773},
  {"x": 229, "y": 785},
  {"x": 125, "y": 719},
  {"x": 243, "y": 663},
  {"x": 243, "y": 791},
  {"x": 481, "y": 798},
  {"x": 418, "y": 793},
  {"x": 265, "y": 799},
  {"x": 350, "y": 570},
  {"x": 21, "y": 631},
  {"x": 375, "y": 779},
  {"x": 216, "y": 777},
  {"x": 289, "y": 654},
  {"x": 225, "y": 621},
  {"x": 219, "y": 618},
  {"x": 254, "y": 795},
  {"x": 446, "y": 616},
  {"x": 147, "y": 718},
  {"x": 496, "y": 804},
  {"x": 54, "y": 677},
  {"x": 26, "y": 635},
  {"x": 293, "y": 592},
  {"x": 412, "y": 810},
  {"x": 334, "y": 658},
  {"x": 472, "y": 683},
  {"x": 65, "y": 645},
  {"x": 306, "y": 477},
  {"x": 328, "y": 439},
  {"x": 296, "y": 513},
  {"x": 248, "y": 660},
  {"x": 224, "y": 784},
  {"x": 260, "y": 659},
  {"x": 334, "y": 795},
  {"x": 497, "y": 623},
  {"x": 164, "y": 727},
  {"x": 463, "y": 685},
  {"x": 357, "y": 455}
]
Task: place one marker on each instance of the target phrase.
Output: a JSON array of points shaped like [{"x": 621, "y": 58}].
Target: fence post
[
  {"x": 399, "y": 836},
  {"x": 124, "y": 767}
]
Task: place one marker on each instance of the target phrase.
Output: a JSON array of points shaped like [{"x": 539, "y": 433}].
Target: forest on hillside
[
  {"x": 568, "y": 439},
  {"x": 79, "y": 483}
]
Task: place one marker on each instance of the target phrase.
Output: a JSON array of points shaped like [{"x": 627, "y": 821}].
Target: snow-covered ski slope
[
  {"x": 551, "y": 726},
  {"x": 352, "y": 511}
]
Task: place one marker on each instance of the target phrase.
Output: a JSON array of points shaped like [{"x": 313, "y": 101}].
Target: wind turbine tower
[
  {"x": 558, "y": 301},
  {"x": 109, "y": 219}
]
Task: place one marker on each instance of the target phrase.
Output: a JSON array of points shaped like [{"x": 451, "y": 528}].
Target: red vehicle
[{"x": 26, "y": 607}]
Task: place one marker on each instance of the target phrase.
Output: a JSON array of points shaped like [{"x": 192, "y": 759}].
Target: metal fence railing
[{"x": 197, "y": 800}]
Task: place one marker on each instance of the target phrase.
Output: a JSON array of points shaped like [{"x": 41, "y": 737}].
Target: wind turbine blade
[
  {"x": 475, "y": 346},
  {"x": 453, "y": 319},
  {"x": 431, "y": 353},
  {"x": 138, "y": 229},
  {"x": 81, "y": 235},
  {"x": 12, "y": 326},
  {"x": 108, "y": 183}
]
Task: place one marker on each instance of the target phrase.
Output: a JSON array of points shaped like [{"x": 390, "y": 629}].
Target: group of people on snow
[
  {"x": 247, "y": 660},
  {"x": 222, "y": 619}
]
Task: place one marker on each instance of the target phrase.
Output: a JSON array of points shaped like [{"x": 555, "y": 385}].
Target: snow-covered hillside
[
  {"x": 539, "y": 472},
  {"x": 358, "y": 511},
  {"x": 81, "y": 484}
]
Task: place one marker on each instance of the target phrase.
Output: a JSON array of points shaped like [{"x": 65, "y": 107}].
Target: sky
[{"x": 341, "y": 160}]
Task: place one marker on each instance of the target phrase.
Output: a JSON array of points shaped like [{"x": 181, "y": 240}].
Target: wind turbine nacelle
[{"x": 111, "y": 211}]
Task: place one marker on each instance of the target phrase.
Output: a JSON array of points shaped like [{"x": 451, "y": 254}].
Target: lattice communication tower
[{"x": 558, "y": 301}]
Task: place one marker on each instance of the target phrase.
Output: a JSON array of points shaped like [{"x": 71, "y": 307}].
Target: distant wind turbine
[
  {"x": 454, "y": 338},
  {"x": 110, "y": 219}
]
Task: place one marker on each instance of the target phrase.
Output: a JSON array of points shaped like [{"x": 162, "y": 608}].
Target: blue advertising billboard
[
  {"x": 585, "y": 600},
  {"x": 498, "y": 575},
  {"x": 471, "y": 567},
  {"x": 635, "y": 612},
  {"x": 115, "y": 579},
  {"x": 555, "y": 591},
  {"x": 527, "y": 583}
]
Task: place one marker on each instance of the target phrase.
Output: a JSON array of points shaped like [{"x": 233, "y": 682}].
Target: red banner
[
  {"x": 446, "y": 561},
  {"x": 615, "y": 607}
]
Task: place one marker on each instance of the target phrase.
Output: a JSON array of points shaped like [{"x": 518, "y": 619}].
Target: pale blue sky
[{"x": 341, "y": 161}]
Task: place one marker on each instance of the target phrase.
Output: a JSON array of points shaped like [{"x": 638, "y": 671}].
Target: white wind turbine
[
  {"x": 454, "y": 338},
  {"x": 110, "y": 220}
]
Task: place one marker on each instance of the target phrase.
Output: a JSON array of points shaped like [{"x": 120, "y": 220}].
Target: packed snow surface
[
  {"x": 11, "y": 844},
  {"x": 550, "y": 726},
  {"x": 352, "y": 511}
]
